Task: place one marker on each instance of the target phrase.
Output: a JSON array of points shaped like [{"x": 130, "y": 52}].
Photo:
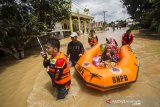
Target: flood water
[{"x": 25, "y": 83}]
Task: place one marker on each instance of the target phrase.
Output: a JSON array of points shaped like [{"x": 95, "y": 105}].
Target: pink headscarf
[{"x": 112, "y": 41}]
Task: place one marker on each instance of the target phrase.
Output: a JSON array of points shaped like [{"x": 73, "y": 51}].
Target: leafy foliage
[
  {"x": 145, "y": 11},
  {"x": 21, "y": 20}
]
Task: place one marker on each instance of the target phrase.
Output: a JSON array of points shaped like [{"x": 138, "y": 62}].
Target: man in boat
[
  {"x": 75, "y": 49},
  {"x": 92, "y": 39},
  {"x": 127, "y": 37}
]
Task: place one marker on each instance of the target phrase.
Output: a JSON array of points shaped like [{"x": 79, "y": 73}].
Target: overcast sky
[{"x": 113, "y": 7}]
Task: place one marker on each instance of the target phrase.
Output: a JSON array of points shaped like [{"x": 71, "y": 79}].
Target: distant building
[
  {"x": 97, "y": 25},
  {"x": 78, "y": 21},
  {"x": 129, "y": 21}
]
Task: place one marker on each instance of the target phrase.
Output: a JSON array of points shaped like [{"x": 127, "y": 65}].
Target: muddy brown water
[{"x": 25, "y": 83}]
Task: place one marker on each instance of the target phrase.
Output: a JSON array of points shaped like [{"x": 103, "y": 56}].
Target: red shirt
[{"x": 127, "y": 38}]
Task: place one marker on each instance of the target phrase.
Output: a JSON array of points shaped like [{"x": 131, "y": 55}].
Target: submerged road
[{"x": 25, "y": 83}]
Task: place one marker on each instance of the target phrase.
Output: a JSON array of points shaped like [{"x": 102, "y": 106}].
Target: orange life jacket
[
  {"x": 61, "y": 69},
  {"x": 92, "y": 41}
]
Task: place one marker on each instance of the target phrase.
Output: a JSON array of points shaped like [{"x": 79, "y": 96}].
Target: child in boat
[
  {"x": 102, "y": 48},
  {"x": 59, "y": 69},
  {"x": 96, "y": 60}
]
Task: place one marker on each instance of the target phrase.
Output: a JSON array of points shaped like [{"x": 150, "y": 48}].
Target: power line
[
  {"x": 78, "y": 4},
  {"x": 73, "y": 2}
]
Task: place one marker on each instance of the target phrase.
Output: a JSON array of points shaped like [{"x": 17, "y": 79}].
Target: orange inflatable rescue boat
[{"x": 103, "y": 79}]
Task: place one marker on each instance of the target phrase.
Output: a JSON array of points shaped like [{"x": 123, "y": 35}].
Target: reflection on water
[{"x": 39, "y": 92}]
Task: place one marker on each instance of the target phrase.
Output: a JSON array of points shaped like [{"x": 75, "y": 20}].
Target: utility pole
[
  {"x": 124, "y": 12},
  {"x": 105, "y": 15},
  {"x": 104, "y": 20}
]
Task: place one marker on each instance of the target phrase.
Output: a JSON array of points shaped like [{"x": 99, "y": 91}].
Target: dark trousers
[
  {"x": 74, "y": 60},
  {"x": 62, "y": 89}
]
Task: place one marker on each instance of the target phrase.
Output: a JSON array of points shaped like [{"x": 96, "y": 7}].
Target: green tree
[
  {"x": 49, "y": 12},
  {"x": 111, "y": 23},
  {"x": 137, "y": 8},
  {"x": 145, "y": 11},
  {"x": 154, "y": 15},
  {"x": 22, "y": 20}
]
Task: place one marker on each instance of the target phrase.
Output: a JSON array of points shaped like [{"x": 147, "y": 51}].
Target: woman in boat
[{"x": 108, "y": 58}]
